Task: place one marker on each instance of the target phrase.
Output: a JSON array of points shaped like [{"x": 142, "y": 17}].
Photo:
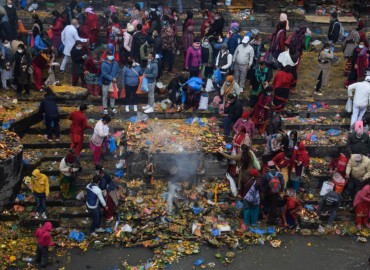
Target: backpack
[
  {"x": 341, "y": 36},
  {"x": 330, "y": 199},
  {"x": 142, "y": 39},
  {"x": 253, "y": 195},
  {"x": 274, "y": 184}
]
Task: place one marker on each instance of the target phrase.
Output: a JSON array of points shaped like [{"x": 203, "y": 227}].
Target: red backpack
[{"x": 274, "y": 184}]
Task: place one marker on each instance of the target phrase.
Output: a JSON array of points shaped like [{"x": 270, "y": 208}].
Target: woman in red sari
[
  {"x": 77, "y": 128},
  {"x": 240, "y": 138},
  {"x": 92, "y": 23},
  {"x": 362, "y": 205},
  {"x": 261, "y": 109},
  {"x": 360, "y": 63},
  {"x": 283, "y": 81}
]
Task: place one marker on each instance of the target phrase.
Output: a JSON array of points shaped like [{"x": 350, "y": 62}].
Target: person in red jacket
[
  {"x": 56, "y": 29},
  {"x": 77, "y": 128},
  {"x": 207, "y": 19},
  {"x": 44, "y": 241},
  {"x": 283, "y": 81},
  {"x": 92, "y": 23}
]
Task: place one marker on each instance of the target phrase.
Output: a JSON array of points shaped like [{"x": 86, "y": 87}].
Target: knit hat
[
  {"x": 253, "y": 172},
  {"x": 360, "y": 25},
  {"x": 359, "y": 125},
  {"x": 230, "y": 78},
  {"x": 246, "y": 114}
]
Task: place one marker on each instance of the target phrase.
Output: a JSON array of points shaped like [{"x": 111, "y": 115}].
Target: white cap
[
  {"x": 367, "y": 78},
  {"x": 245, "y": 40}
]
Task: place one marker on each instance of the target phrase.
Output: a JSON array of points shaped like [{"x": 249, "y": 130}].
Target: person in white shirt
[
  {"x": 101, "y": 130},
  {"x": 69, "y": 38},
  {"x": 360, "y": 93},
  {"x": 243, "y": 60},
  {"x": 93, "y": 198}
]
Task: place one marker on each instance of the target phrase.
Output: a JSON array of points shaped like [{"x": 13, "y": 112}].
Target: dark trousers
[
  {"x": 353, "y": 186},
  {"x": 272, "y": 207},
  {"x": 319, "y": 82},
  {"x": 40, "y": 202},
  {"x": 76, "y": 76},
  {"x": 228, "y": 123},
  {"x": 131, "y": 97},
  {"x": 194, "y": 71},
  {"x": 52, "y": 126},
  {"x": 21, "y": 87},
  {"x": 42, "y": 255},
  {"x": 96, "y": 215},
  {"x": 168, "y": 59}
]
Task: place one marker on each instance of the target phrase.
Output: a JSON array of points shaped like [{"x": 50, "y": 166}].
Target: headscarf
[
  {"x": 359, "y": 129},
  {"x": 301, "y": 155},
  {"x": 284, "y": 18},
  {"x": 229, "y": 89}
]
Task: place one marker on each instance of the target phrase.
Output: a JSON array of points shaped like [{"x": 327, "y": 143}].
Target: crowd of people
[{"x": 145, "y": 47}]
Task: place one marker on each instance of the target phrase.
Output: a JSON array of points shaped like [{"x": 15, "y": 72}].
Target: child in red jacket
[{"x": 44, "y": 241}]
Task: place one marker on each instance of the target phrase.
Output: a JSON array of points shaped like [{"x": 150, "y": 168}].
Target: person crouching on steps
[{"x": 44, "y": 241}]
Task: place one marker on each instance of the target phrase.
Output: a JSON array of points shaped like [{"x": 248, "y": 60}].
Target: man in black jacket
[
  {"x": 49, "y": 108},
  {"x": 333, "y": 33},
  {"x": 358, "y": 143},
  {"x": 138, "y": 39},
  {"x": 13, "y": 19},
  {"x": 233, "y": 111}
]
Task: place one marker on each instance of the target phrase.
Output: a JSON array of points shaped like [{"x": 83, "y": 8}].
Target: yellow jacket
[{"x": 40, "y": 182}]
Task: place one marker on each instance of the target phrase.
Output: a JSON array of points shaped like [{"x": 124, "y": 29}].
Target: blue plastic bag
[
  {"x": 119, "y": 173},
  {"x": 217, "y": 76},
  {"x": 198, "y": 262},
  {"x": 197, "y": 210},
  {"x": 112, "y": 144},
  {"x": 333, "y": 132},
  {"x": 77, "y": 236},
  {"x": 145, "y": 85}
]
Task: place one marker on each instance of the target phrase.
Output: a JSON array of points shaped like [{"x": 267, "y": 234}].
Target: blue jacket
[
  {"x": 49, "y": 106},
  {"x": 6, "y": 52},
  {"x": 130, "y": 76},
  {"x": 109, "y": 70},
  {"x": 39, "y": 44},
  {"x": 151, "y": 71},
  {"x": 233, "y": 42}
]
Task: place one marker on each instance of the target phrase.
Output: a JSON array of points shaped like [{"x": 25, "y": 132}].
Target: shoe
[
  {"x": 44, "y": 216},
  {"x": 367, "y": 226},
  {"x": 318, "y": 93},
  {"x": 109, "y": 219},
  {"x": 37, "y": 215},
  {"x": 146, "y": 107},
  {"x": 61, "y": 71},
  {"x": 359, "y": 227},
  {"x": 57, "y": 140},
  {"x": 127, "y": 108},
  {"x": 149, "y": 110},
  {"x": 5, "y": 87},
  {"x": 105, "y": 111},
  {"x": 13, "y": 86},
  {"x": 114, "y": 110},
  {"x": 100, "y": 230},
  {"x": 94, "y": 234},
  {"x": 135, "y": 108},
  {"x": 171, "y": 73}
]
